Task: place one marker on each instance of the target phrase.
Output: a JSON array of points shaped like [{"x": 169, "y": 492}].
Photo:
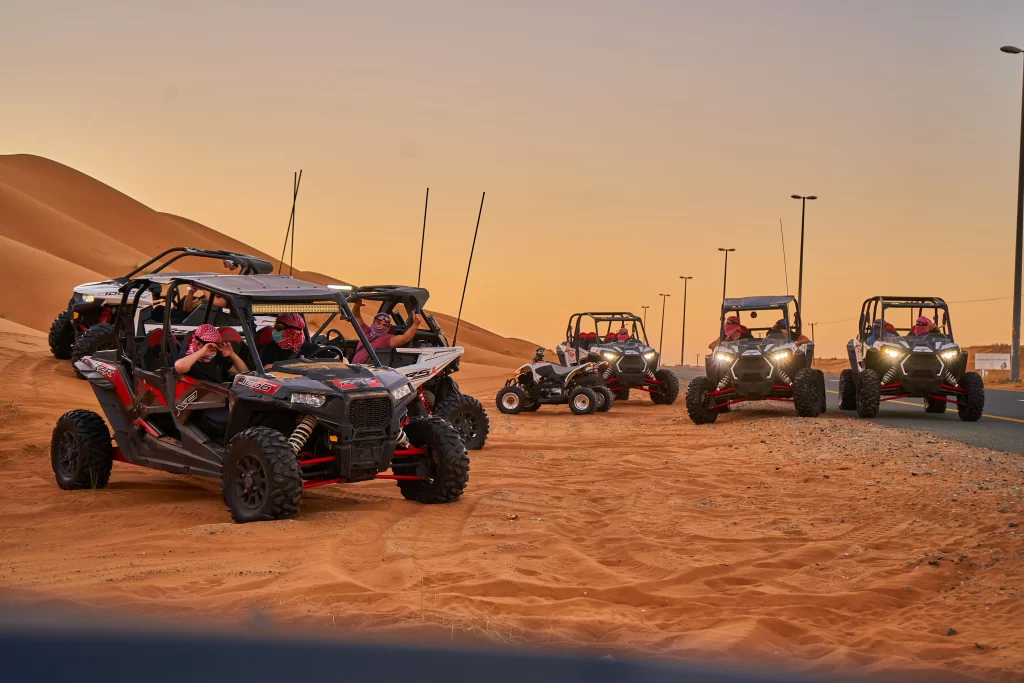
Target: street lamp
[
  {"x": 800, "y": 286},
  {"x": 725, "y": 275},
  {"x": 1015, "y": 340},
  {"x": 645, "y": 315},
  {"x": 682, "y": 344},
  {"x": 661, "y": 337}
]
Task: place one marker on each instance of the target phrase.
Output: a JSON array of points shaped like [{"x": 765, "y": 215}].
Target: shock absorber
[
  {"x": 889, "y": 375},
  {"x": 783, "y": 376},
  {"x": 950, "y": 379},
  {"x": 607, "y": 373},
  {"x": 723, "y": 383},
  {"x": 302, "y": 433},
  {"x": 650, "y": 375},
  {"x": 403, "y": 440}
]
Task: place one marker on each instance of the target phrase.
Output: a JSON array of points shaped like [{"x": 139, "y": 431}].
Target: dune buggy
[
  {"x": 267, "y": 435},
  {"x": 623, "y": 365},
  {"x": 539, "y": 382},
  {"x": 87, "y": 325},
  {"x": 770, "y": 362},
  {"x": 429, "y": 361},
  {"x": 888, "y": 361}
]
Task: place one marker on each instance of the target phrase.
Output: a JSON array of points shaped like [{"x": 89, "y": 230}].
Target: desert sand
[{"x": 828, "y": 545}]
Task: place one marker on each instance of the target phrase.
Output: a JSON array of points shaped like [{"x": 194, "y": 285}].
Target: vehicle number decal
[
  {"x": 189, "y": 400},
  {"x": 257, "y": 384}
]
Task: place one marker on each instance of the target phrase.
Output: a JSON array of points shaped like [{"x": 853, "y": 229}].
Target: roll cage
[
  {"x": 875, "y": 309},
  {"x": 758, "y": 304},
  {"x": 618, "y": 319},
  {"x": 247, "y": 296},
  {"x": 247, "y": 265},
  {"x": 393, "y": 298}
]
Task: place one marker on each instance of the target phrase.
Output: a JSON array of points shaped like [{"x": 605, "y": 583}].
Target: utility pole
[
  {"x": 645, "y": 315},
  {"x": 812, "y": 332},
  {"x": 682, "y": 344},
  {"x": 1015, "y": 333},
  {"x": 661, "y": 337}
]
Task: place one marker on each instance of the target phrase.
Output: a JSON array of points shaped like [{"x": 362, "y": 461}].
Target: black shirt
[
  {"x": 215, "y": 370},
  {"x": 271, "y": 352}
]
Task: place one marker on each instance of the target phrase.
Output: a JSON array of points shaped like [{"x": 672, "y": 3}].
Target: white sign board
[{"x": 992, "y": 361}]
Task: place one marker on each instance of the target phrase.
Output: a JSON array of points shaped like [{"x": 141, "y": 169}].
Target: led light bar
[{"x": 295, "y": 308}]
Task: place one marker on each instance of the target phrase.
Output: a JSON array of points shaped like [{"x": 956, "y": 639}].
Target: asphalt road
[{"x": 1002, "y": 427}]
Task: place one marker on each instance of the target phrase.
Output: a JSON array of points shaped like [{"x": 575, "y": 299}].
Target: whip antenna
[
  {"x": 423, "y": 238},
  {"x": 471, "y": 250},
  {"x": 290, "y": 232},
  {"x": 784, "y": 266}
]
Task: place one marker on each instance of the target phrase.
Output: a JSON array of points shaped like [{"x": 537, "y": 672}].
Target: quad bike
[
  {"x": 628, "y": 364},
  {"x": 429, "y": 361},
  {"x": 267, "y": 436},
  {"x": 889, "y": 362},
  {"x": 87, "y": 325},
  {"x": 539, "y": 382},
  {"x": 775, "y": 367}
]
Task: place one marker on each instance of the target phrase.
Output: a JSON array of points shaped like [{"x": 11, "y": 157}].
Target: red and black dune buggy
[{"x": 267, "y": 435}]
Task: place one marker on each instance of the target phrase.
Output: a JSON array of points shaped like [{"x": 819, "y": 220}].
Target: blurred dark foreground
[{"x": 58, "y": 645}]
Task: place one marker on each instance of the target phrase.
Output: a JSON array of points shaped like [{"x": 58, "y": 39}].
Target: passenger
[
  {"x": 622, "y": 335},
  {"x": 209, "y": 358},
  {"x": 875, "y": 328},
  {"x": 287, "y": 340},
  {"x": 192, "y": 302},
  {"x": 923, "y": 326},
  {"x": 733, "y": 331},
  {"x": 378, "y": 333}
]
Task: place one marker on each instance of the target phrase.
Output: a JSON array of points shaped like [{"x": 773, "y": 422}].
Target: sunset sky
[{"x": 619, "y": 144}]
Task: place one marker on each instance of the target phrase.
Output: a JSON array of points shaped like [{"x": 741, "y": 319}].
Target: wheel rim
[
  {"x": 510, "y": 401},
  {"x": 467, "y": 424},
  {"x": 67, "y": 455},
  {"x": 251, "y": 482},
  {"x": 581, "y": 402},
  {"x": 600, "y": 400}
]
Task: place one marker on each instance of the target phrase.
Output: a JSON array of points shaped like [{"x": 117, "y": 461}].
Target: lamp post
[
  {"x": 725, "y": 274},
  {"x": 661, "y": 337},
  {"x": 682, "y": 344},
  {"x": 1015, "y": 334},
  {"x": 645, "y": 315},
  {"x": 812, "y": 332},
  {"x": 800, "y": 285}
]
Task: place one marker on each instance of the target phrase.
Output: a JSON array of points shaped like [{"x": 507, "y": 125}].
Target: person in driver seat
[
  {"x": 622, "y": 335},
  {"x": 781, "y": 329},
  {"x": 287, "y": 340},
  {"x": 922, "y": 326},
  {"x": 379, "y": 332},
  {"x": 209, "y": 358}
]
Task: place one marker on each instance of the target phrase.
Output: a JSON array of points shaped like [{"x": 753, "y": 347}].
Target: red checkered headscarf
[
  {"x": 292, "y": 336},
  {"x": 732, "y": 326},
  {"x": 922, "y": 325},
  {"x": 204, "y": 334}
]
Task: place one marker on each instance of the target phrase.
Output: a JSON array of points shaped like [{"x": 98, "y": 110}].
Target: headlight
[
  {"x": 88, "y": 298},
  {"x": 609, "y": 355},
  {"x": 401, "y": 392},
  {"x": 650, "y": 355},
  {"x": 315, "y": 400},
  {"x": 780, "y": 356},
  {"x": 950, "y": 354},
  {"x": 891, "y": 352},
  {"x": 723, "y": 356}
]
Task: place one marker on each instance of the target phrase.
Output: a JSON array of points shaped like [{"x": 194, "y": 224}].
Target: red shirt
[{"x": 381, "y": 342}]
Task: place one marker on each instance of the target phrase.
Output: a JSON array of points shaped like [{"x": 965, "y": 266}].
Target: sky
[{"x": 619, "y": 144}]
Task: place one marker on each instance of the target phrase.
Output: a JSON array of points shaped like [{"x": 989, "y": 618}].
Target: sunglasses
[{"x": 283, "y": 326}]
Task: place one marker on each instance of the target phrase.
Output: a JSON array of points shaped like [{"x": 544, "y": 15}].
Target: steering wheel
[
  {"x": 338, "y": 336},
  {"x": 328, "y": 351}
]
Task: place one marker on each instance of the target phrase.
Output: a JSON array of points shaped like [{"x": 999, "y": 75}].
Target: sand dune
[{"x": 60, "y": 228}]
